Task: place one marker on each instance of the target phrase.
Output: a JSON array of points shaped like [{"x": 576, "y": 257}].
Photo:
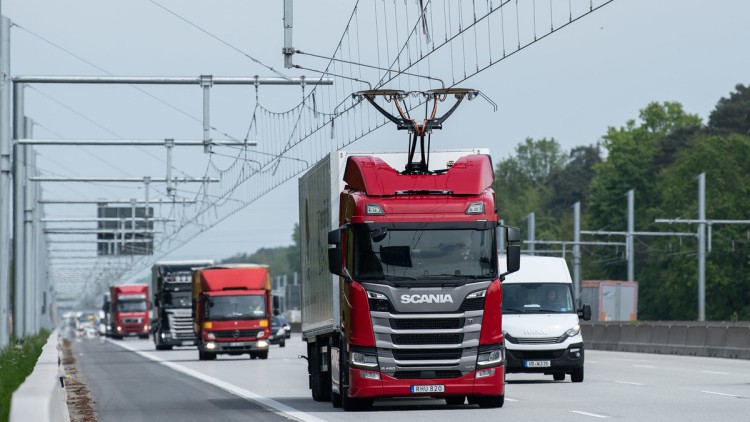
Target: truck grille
[
  {"x": 430, "y": 354},
  {"x": 426, "y": 374},
  {"x": 181, "y": 327},
  {"x": 427, "y": 324},
  {"x": 475, "y": 304},
  {"x": 536, "y": 354},
  {"x": 410, "y": 339},
  {"x": 231, "y": 333}
]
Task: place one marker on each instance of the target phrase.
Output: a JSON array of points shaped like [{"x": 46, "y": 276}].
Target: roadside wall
[
  {"x": 42, "y": 397},
  {"x": 689, "y": 338}
]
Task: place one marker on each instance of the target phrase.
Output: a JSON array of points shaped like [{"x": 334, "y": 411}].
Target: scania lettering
[{"x": 426, "y": 299}]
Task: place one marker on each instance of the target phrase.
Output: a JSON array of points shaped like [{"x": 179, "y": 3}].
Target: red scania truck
[
  {"x": 414, "y": 304},
  {"x": 232, "y": 310},
  {"x": 129, "y": 311}
]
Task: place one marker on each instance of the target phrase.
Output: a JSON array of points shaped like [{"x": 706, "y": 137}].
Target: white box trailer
[{"x": 319, "y": 191}]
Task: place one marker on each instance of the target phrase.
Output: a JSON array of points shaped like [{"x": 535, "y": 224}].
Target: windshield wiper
[{"x": 512, "y": 311}]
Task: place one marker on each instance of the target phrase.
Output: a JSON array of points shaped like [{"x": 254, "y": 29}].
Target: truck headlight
[
  {"x": 262, "y": 344},
  {"x": 210, "y": 345},
  {"x": 573, "y": 331},
  {"x": 494, "y": 356},
  {"x": 364, "y": 359}
]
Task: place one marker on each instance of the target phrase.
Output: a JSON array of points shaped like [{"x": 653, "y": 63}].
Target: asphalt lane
[
  {"x": 130, "y": 388},
  {"x": 618, "y": 386}
]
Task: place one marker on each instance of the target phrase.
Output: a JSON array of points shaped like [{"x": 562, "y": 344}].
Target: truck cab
[
  {"x": 130, "y": 311},
  {"x": 232, "y": 310},
  {"x": 540, "y": 320}
]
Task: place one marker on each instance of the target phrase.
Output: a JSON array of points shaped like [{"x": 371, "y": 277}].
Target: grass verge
[{"x": 16, "y": 363}]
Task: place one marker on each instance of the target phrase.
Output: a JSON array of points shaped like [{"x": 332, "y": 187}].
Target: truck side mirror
[
  {"x": 334, "y": 260},
  {"x": 334, "y": 237},
  {"x": 512, "y": 250},
  {"x": 585, "y": 313}
]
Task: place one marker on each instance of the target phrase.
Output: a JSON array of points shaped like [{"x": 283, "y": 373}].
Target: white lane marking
[
  {"x": 715, "y": 372},
  {"x": 720, "y": 394},
  {"x": 629, "y": 383},
  {"x": 280, "y": 408},
  {"x": 644, "y": 366},
  {"x": 593, "y": 415},
  {"x": 507, "y": 399}
]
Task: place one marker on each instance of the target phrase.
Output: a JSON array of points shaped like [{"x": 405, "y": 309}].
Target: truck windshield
[
  {"x": 537, "y": 298},
  {"x": 424, "y": 255},
  {"x": 131, "y": 305},
  {"x": 182, "y": 299},
  {"x": 235, "y": 307}
]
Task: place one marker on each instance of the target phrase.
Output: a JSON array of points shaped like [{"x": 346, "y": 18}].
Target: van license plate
[
  {"x": 236, "y": 344},
  {"x": 537, "y": 364},
  {"x": 417, "y": 389}
]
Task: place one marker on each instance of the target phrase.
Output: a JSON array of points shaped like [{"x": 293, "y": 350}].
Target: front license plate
[
  {"x": 419, "y": 389},
  {"x": 188, "y": 343},
  {"x": 236, "y": 344},
  {"x": 537, "y": 364}
]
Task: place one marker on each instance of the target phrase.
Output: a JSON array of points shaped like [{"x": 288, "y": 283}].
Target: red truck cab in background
[
  {"x": 232, "y": 310},
  {"x": 129, "y": 310}
]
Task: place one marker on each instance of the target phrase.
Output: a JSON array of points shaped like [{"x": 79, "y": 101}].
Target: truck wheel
[
  {"x": 577, "y": 375},
  {"x": 559, "y": 376},
  {"x": 163, "y": 347},
  {"x": 263, "y": 354},
  {"x": 455, "y": 400},
  {"x": 486, "y": 402},
  {"x": 206, "y": 355},
  {"x": 349, "y": 403}
]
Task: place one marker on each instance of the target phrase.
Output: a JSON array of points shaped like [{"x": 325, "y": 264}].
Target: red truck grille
[
  {"x": 426, "y": 323},
  {"x": 456, "y": 338},
  {"x": 235, "y": 333}
]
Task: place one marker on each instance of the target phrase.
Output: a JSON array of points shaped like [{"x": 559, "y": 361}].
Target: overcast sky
[{"x": 596, "y": 73}]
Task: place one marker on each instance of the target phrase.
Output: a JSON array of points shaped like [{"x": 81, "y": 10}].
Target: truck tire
[
  {"x": 577, "y": 375},
  {"x": 558, "y": 376},
  {"x": 455, "y": 400},
  {"x": 349, "y": 404},
  {"x": 163, "y": 347},
  {"x": 206, "y": 355},
  {"x": 263, "y": 354},
  {"x": 282, "y": 343},
  {"x": 487, "y": 402}
]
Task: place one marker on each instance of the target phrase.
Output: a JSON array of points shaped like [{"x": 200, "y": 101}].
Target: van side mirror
[{"x": 585, "y": 313}]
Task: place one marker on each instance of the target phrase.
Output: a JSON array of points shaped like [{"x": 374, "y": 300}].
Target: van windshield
[{"x": 537, "y": 298}]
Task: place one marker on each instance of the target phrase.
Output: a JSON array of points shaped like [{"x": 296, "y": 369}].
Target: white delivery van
[{"x": 540, "y": 320}]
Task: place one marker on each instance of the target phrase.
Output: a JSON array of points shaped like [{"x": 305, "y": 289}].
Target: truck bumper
[
  {"x": 168, "y": 341},
  {"x": 560, "y": 360},
  {"x": 387, "y": 386},
  {"x": 234, "y": 347}
]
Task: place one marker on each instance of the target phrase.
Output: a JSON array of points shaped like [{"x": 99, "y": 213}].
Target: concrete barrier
[
  {"x": 42, "y": 397},
  {"x": 712, "y": 339}
]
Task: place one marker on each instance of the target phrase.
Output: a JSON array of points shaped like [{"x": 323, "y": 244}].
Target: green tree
[{"x": 732, "y": 115}]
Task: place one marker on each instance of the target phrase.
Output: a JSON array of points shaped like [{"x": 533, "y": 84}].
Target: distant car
[
  {"x": 278, "y": 334},
  {"x": 284, "y": 323}
]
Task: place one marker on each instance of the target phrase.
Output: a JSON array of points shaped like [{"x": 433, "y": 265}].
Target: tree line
[{"x": 659, "y": 155}]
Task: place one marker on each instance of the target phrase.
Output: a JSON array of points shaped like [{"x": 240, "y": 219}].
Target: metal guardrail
[{"x": 689, "y": 338}]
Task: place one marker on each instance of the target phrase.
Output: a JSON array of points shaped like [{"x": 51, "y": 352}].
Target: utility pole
[
  {"x": 630, "y": 248},
  {"x": 288, "y": 50},
  {"x": 702, "y": 247},
  {"x": 5, "y": 169},
  {"x": 531, "y": 232},
  {"x": 577, "y": 251},
  {"x": 19, "y": 152}
]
